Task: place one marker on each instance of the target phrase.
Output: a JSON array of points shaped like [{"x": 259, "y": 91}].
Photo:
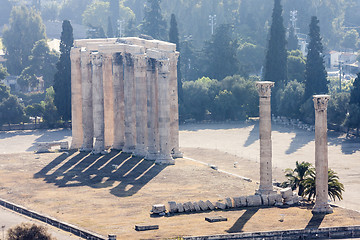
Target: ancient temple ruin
[{"x": 124, "y": 97}]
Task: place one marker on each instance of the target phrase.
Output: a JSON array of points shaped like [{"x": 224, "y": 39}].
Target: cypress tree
[
  {"x": 153, "y": 23},
  {"x": 174, "y": 38},
  {"x": 315, "y": 74},
  {"x": 292, "y": 40},
  {"x": 110, "y": 32},
  {"x": 115, "y": 14},
  {"x": 276, "y": 54},
  {"x": 62, "y": 78}
]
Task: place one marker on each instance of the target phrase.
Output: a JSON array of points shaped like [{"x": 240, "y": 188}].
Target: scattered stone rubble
[{"x": 286, "y": 197}]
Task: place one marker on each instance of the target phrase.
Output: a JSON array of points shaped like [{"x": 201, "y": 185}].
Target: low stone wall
[
  {"x": 52, "y": 221},
  {"x": 321, "y": 233}
]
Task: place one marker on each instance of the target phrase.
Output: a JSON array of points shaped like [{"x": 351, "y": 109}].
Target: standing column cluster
[{"x": 124, "y": 97}]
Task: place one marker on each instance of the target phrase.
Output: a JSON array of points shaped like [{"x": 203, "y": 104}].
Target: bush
[
  {"x": 290, "y": 99},
  {"x": 26, "y": 231}
]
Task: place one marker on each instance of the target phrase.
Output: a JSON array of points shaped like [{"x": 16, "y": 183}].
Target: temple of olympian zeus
[{"x": 124, "y": 97}]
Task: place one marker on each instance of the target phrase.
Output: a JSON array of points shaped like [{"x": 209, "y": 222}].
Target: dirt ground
[{"x": 113, "y": 193}]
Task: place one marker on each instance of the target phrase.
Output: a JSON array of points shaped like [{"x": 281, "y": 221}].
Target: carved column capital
[
  {"x": 97, "y": 59},
  {"x": 164, "y": 65},
  {"x": 321, "y": 102},
  {"x": 264, "y": 88}
]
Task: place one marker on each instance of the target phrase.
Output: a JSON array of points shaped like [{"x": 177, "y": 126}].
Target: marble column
[
  {"x": 130, "y": 103},
  {"x": 76, "y": 99},
  {"x": 87, "y": 108},
  {"x": 98, "y": 103},
  {"x": 164, "y": 156},
  {"x": 118, "y": 87},
  {"x": 174, "y": 107},
  {"x": 321, "y": 155},
  {"x": 152, "y": 109},
  {"x": 264, "y": 89},
  {"x": 141, "y": 105},
  {"x": 108, "y": 100}
]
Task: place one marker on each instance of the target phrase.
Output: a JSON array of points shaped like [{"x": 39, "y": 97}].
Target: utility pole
[
  {"x": 212, "y": 22},
  {"x": 120, "y": 25},
  {"x": 293, "y": 19}
]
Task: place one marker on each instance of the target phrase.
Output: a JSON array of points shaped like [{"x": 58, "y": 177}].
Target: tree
[
  {"x": 96, "y": 15},
  {"x": 315, "y": 74},
  {"x": 350, "y": 39},
  {"x": 338, "y": 107},
  {"x": 51, "y": 116},
  {"x": 62, "y": 78},
  {"x": 27, "y": 231},
  {"x": 110, "y": 32},
  {"x": 174, "y": 38},
  {"x": 290, "y": 99},
  {"x": 353, "y": 117},
  {"x": 35, "y": 110},
  {"x": 3, "y": 72},
  {"x": 296, "y": 177},
  {"x": 25, "y": 28},
  {"x": 11, "y": 110},
  {"x": 250, "y": 57},
  {"x": 114, "y": 16},
  {"x": 276, "y": 55},
  {"x": 296, "y": 66},
  {"x": 335, "y": 187},
  {"x": 293, "y": 43},
  {"x": 153, "y": 23},
  {"x": 220, "y": 54}
]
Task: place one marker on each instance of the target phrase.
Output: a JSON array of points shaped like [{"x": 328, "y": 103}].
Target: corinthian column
[
  {"x": 164, "y": 156},
  {"x": 264, "y": 89},
  {"x": 108, "y": 100},
  {"x": 321, "y": 155},
  {"x": 174, "y": 107},
  {"x": 141, "y": 105},
  {"x": 76, "y": 99},
  {"x": 130, "y": 103},
  {"x": 118, "y": 87},
  {"x": 87, "y": 108},
  {"x": 152, "y": 109},
  {"x": 98, "y": 103}
]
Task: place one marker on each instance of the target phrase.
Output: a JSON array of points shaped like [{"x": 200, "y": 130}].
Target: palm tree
[
  {"x": 335, "y": 188},
  {"x": 297, "y": 176}
]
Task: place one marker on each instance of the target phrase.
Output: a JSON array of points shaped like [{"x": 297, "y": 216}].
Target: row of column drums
[{"x": 124, "y": 97}]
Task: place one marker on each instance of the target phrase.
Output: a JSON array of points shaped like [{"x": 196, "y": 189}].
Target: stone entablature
[{"x": 124, "y": 96}]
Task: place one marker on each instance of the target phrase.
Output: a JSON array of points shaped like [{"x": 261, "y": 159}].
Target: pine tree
[
  {"x": 153, "y": 23},
  {"x": 315, "y": 74},
  {"x": 174, "y": 38},
  {"x": 110, "y": 32},
  {"x": 276, "y": 54},
  {"x": 292, "y": 40},
  {"x": 62, "y": 78}
]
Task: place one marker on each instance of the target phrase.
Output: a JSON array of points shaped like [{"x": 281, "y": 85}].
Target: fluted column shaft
[
  {"x": 164, "y": 156},
  {"x": 264, "y": 89},
  {"x": 108, "y": 100},
  {"x": 98, "y": 103},
  {"x": 76, "y": 99},
  {"x": 87, "y": 108},
  {"x": 118, "y": 87},
  {"x": 130, "y": 104},
  {"x": 152, "y": 109},
  {"x": 321, "y": 155},
  {"x": 141, "y": 105}
]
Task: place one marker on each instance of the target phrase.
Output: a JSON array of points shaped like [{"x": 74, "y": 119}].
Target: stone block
[
  {"x": 186, "y": 207},
  {"x": 180, "y": 207},
  {"x": 221, "y": 205},
  {"x": 229, "y": 203},
  {"x": 196, "y": 206},
  {"x": 243, "y": 201},
  {"x": 253, "y": 200},
  {"x": 286, "y": 193},
  {"x": 210, "y": 205},
  {"x": 215, "y": 219},
  {"x": 274, "y": 198},
  {"x": 158, "y": 208},
  {"x": 192, "y": 208},
  {"x": 172, "y": 207},
  {"x": 146, "y": 228},
  {"x": 265, "y": 200},
  {"x": 203, "y": 205},
  {"x": 237, "y": 202}
]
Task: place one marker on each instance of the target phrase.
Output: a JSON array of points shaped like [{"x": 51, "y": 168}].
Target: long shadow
[
  {"x": 315, "y": 221},
  {"x": 240, "y": 223},
  {"x": 121, "y": 172},
  {"x": 214, "y": 125},
  {"x": 301, "y": 139},
  {"x": 253, "y": 135}
]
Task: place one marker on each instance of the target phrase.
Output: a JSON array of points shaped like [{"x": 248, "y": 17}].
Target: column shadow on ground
[
  {"x": 240, "y": 223},
  {"x": 315, "y": 221},
  {"x": 124, "y": 174}
]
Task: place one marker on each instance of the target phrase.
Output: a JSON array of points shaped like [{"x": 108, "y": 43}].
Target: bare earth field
[{"x": 112, "y": 193}]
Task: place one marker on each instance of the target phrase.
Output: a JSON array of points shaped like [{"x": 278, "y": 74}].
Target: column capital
[
  {"x": 96, "y": 59},
  {"x": 264, "y": 88},
  {"x": 321, "y": 102},
  {"x": 164, "y": 65}
]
